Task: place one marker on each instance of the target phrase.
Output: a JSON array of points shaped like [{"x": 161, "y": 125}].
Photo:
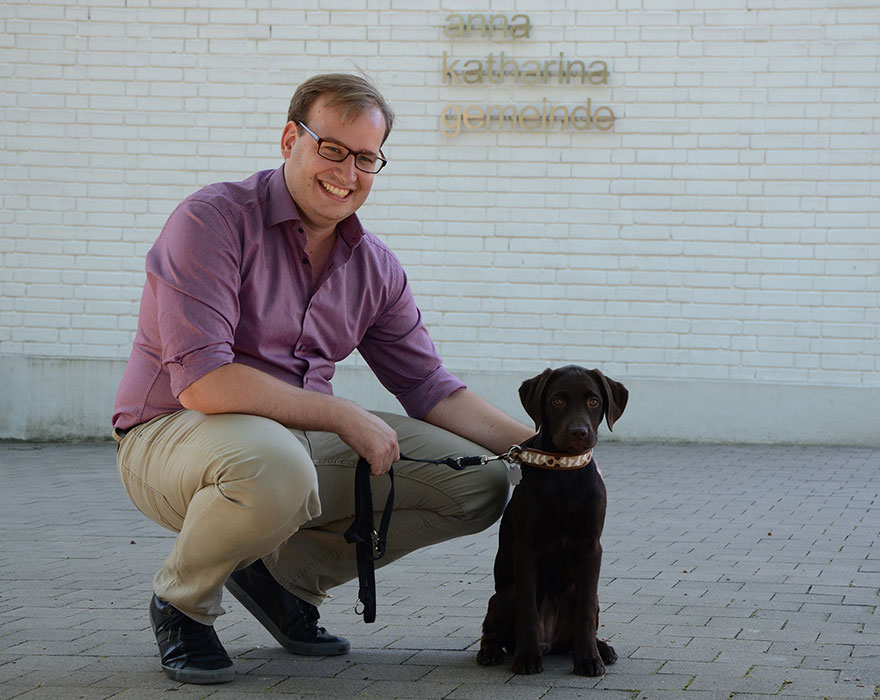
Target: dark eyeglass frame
[{"x": 381, "y": 161}]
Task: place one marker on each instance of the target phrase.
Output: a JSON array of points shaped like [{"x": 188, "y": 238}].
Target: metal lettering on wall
[{"x": 499, "y": 68}]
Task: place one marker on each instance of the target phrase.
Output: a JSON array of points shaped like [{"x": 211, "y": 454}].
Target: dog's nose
[{"x": 578, "y": 432}]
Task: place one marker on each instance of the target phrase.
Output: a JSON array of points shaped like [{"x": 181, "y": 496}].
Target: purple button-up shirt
[{"x": 228, "y": 280}]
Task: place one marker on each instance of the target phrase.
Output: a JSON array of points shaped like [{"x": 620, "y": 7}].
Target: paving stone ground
[{"x": 742, "y": 572}]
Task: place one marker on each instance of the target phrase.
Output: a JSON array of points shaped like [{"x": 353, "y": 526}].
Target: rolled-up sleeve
[
  {"x": 193, "y": 270},
  {"x": 399, "y": 350}
]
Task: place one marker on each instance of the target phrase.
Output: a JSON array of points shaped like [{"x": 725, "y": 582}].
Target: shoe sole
[
  {"x": 202, "y": 677},
  {"x": 294, "y": 647}
]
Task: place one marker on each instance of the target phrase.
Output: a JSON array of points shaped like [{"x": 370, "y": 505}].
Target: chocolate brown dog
[{"x": 549, "y": 555}]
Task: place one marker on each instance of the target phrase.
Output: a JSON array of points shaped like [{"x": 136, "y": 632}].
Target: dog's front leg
[
  {"x": 527, "y": 658},
  {"x": 587, "y": 660},
  {"x": 491, "y": 651}
]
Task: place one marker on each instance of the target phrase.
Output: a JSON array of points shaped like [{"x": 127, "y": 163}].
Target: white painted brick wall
[{"x": 726, "y": 228}]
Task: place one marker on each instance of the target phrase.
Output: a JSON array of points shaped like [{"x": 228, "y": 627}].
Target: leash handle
[{"x": 370, "y": 545}]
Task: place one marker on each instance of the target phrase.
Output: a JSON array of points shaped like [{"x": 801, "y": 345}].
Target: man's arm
[
  {"x": 471, "y": 416},
  {"x": 237, "y": 388}
]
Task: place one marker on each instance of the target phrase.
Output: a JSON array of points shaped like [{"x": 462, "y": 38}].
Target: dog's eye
[
  {"x": 592, "y": 403},
  {"x": 558, "y": 402}
]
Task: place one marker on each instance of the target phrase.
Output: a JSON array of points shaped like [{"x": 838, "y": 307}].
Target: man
[{"x": 228, "y": 430}]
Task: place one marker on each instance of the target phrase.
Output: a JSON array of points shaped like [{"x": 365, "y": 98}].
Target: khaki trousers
[{"x": 237, "y": 488}]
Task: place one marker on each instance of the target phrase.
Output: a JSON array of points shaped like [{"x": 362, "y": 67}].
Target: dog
[{"x": 549, "y": 555}]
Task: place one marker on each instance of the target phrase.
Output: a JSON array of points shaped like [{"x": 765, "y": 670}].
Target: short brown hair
[{"x": 352, "y": 92}]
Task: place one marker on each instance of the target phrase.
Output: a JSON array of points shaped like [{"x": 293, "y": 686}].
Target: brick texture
[{"x": 726, "y": 227}]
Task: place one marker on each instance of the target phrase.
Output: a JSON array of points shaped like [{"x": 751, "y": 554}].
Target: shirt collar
[{"x": 281, "y": 208}]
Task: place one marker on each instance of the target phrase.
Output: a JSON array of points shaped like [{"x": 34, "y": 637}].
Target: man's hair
[{"x": 353, "y": 93}]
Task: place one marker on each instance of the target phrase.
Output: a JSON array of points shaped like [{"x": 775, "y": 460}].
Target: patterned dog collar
[{"x": 551, "y": 460}]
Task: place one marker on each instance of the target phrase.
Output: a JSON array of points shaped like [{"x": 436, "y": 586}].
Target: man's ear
[
  {"x": 288, "y": 138},
  {"x": 616, "y": 396},
  {"x": 530, "y": 392}
]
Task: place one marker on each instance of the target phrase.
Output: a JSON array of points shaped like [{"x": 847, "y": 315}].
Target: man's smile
[{"x": 334, "y": 190}]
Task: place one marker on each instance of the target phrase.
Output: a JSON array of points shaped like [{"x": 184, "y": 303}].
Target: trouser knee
[
  {"x": 488, "y": 497},
  {"x": 275, "y": 487}
]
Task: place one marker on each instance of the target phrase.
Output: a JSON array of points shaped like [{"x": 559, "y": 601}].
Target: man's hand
[{"x": 371, "y": 437}]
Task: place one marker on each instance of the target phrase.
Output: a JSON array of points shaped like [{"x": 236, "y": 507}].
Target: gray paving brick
[
  {"x": 336, "y": 687},
  {"x": 576, "y": 694},
  {"x": 10, "y": 689},
  {"x": 750, "y": 696},
  {"x": 643, "y": 682},
  {"x": 234, "y": 692},
  {"x": 400, "y": 689},
  {"x": 487, "y": 691},
  {"x": 729, "y": 571},
  {"x": 48, "y": 692},
  {"x": 11, "y": 672}
]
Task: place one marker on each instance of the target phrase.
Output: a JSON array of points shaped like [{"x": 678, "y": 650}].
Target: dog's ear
[
  {"x": 616, "y": 396},
  {"x": 530, "y": 392}
]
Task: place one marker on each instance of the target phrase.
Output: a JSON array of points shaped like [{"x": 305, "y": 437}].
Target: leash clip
[
  {"x": 377, "y": 548},
  {"x": 512, "y": 455}
]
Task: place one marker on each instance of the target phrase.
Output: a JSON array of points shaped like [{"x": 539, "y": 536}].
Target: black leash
[
  {"x": 370, "y": 544},
  {"x": 457, "y": 463}
]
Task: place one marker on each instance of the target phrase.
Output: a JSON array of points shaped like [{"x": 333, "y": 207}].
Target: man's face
[{"x": 326, "y": 192}]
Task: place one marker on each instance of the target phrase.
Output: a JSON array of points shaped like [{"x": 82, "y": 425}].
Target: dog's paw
[
  {"x": 606, "y": 651},
  {"x": 490, "y": 655},
  {"x": 589, "y": 667},
  {"x": 527, "y": 664}
]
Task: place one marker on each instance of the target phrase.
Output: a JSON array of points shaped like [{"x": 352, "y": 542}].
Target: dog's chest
[
  {"x": 563, "y": 495},
  {"x": 553, "y": 514}
]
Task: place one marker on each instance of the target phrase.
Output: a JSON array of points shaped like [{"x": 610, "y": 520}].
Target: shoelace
[
  {"x": 310, "y": 613},
  {"x": 307, "y": 617}
]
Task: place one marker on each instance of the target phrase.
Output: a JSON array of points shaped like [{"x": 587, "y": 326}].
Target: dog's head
[{"x": 569, "y": 403}]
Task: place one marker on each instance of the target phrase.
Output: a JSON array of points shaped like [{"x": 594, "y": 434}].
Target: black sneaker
[
  {"x": 190, "y": 651},
  {"x": 292, "y": 621}
]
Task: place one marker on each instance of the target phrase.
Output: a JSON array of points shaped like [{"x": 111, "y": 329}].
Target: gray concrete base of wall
[{"x": 46, "y": 398}]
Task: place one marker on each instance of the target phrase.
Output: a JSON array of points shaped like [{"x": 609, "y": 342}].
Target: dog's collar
[{"x": 549, "y": 460}]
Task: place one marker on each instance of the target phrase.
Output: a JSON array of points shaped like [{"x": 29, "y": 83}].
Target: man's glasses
[{"x": 366, "y": 162}]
